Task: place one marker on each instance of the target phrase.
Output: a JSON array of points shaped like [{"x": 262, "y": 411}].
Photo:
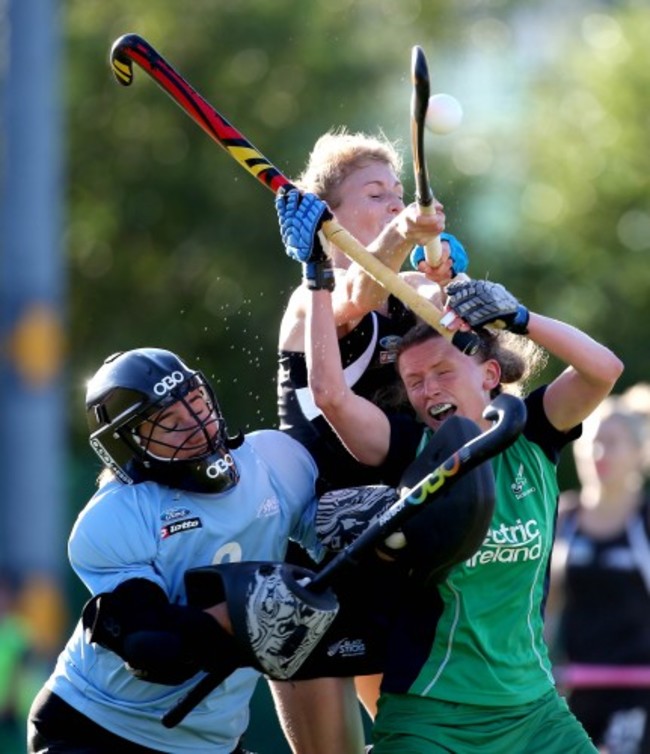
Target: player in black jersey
[{"x": 358, "y": 176}]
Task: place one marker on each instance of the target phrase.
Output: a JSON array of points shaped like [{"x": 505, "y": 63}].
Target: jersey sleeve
[
  {"x": 294, "y": 475},
  {"x": 405, "y": 436},
  {"x": 115, "y": 538},
  {"x": 540, "y": 430}
]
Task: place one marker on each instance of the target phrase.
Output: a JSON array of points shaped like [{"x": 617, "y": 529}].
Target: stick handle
[
  {"x": 433, "y": 249},
  {"x": 194, "y": 697},
  {"x": 466, "y": 342}
]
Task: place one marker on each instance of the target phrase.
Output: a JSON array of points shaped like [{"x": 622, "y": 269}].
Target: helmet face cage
[
  {"x": 126, "y": 404},
  {"x": 208, "y": 422}
]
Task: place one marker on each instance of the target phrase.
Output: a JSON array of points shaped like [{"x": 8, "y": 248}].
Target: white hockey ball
[
  {"x": 395, "y": 541},
  {"x": 444, "y": 114}
]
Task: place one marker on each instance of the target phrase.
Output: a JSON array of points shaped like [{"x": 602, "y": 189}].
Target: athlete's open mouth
[{"x": 441, "y": 411}]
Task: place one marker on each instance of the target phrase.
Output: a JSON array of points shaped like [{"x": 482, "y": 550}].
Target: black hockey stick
[
  {"x": 132, "y": 48},
  {"x": 419, "y": 105},
  {"x": 509, "y": 415}
]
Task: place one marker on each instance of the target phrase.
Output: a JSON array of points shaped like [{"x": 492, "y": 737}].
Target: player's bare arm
[
  {"x": 362, "y": 426},
  {"x": 592, "y": 368},
  {"x": 591, "y": 375}
]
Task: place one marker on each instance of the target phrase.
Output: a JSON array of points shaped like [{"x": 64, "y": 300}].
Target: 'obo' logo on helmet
[
  {"x": 220, "y": 466},
  {"x": 109, "y": 461},
  {"x": 168, "y": 383}
]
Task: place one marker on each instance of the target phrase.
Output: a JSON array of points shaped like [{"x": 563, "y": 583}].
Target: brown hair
[
  {"x": 520, "y": 359},
  {"x": 338, "y": 153}
]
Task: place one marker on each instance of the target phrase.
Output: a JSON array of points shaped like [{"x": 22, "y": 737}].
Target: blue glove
[
  {"x": 457, "y": 253},
  {"x": 301, "y": 217}
]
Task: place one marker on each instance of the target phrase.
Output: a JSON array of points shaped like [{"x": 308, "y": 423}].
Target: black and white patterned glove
[
  {"x": 481, "y": 302},
  {"x": 343, "y": 515}
]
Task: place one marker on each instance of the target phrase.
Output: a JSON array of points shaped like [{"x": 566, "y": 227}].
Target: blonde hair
[{"x": 338, "y": 153}]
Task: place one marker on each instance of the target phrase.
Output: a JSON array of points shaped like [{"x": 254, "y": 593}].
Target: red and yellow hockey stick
[{"x": 132, "y": 48}]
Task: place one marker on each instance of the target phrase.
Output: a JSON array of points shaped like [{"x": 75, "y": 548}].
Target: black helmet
[{"x": 131, "y": 387}]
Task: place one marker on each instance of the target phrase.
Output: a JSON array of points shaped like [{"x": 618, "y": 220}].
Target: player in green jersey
[{"x": 467, "y": 667}]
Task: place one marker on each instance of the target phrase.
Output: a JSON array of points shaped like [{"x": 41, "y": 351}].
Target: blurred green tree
[{"x": 577, "y": 243}]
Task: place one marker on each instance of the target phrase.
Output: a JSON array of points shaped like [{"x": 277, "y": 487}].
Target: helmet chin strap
[{"x": 210, "y": 474}]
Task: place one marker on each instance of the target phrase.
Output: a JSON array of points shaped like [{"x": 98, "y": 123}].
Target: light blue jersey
[{"x": 153, "y": 532}]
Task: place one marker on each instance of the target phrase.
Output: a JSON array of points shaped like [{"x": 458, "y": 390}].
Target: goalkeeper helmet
[{"x": 133, "y": 405}]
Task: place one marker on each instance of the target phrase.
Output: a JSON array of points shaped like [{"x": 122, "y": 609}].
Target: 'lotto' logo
[{"x": 180, "y": 526}]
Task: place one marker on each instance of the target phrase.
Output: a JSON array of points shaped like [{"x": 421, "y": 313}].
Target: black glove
[
  {"x": 481, "y": 302},
  {"x": 159, "y": 642},
  {"x": 301, "y": 217},
  {"x": 277, "y": 621}
]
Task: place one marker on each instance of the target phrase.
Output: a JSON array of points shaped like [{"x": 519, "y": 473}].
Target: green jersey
[{"x": 485, "y": 644}]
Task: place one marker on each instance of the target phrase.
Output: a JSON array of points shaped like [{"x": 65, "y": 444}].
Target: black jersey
[
  {"x": 606, "y": 619},
  {"x": 605, "y": 622},
  {"x": 368, "y": 356}
]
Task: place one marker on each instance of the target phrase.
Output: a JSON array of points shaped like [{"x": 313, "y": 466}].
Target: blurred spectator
[{"x": 598, "y": 613}]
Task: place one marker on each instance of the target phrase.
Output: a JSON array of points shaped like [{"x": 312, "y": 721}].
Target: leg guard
[{"x": 277, "y": 620}]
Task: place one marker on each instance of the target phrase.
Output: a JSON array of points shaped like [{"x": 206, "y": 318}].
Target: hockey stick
[
  {"x": 509, "y": 415},
  {"x": 419, "y": 105},
  {"x": 133, "y": 48}
]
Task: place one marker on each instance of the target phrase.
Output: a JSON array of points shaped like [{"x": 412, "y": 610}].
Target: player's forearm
[
  {"x": 220, "y": 613},
  {"x": 595, "y": 363},
  {"x": 324, "y": 368},
  {"x": 592, "y": 372},
  {"x": 362, "y": 293},
  {"x": 362, "y": 427}
]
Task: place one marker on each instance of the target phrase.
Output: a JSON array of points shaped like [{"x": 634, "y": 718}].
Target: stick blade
[
  {"x": 120, "y": 62},
  {"x": 419, "y": 106},
  {"x": 421, "y": 84}
]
